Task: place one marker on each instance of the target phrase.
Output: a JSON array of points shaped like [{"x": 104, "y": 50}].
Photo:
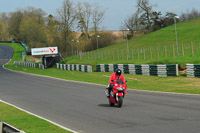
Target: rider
[{"x": 115, "y": 76}]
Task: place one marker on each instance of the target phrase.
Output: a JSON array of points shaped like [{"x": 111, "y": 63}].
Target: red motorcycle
[{"x": 117, "y": 93}]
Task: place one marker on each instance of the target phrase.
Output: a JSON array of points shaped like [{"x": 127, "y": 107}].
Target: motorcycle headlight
[{"x": 120, "y": 89}]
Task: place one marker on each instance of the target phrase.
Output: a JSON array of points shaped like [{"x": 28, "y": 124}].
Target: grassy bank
[{"x": 158, "y": 47}]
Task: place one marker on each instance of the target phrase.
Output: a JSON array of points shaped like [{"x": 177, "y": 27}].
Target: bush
[{"x": 104, "y": 40}]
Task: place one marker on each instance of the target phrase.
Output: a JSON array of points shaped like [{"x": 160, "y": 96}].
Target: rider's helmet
[{"x": 118, "y": 72}]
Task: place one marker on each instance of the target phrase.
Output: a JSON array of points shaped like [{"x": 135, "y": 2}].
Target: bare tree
[
  {"x": 67, "y": 16},
  {"x": 97, "y": 17},
  {"x": 145, "y": 10},
  {"x": 84, "y": 12},
  {"x": 190, "y": 15},
  {"x": 132, "y": 23}
]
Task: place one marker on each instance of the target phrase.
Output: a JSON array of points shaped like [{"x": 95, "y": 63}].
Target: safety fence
[
  {"x": 28, "y": 64},
  {"x": 6, "y": 128},
  {"x": 74, "y": 67},
  {"x": 193, "y": 70},
  {"x": 155, "y": 70},
  {"x": 25, "y": 64},
  {"x": 146, "y": 69}
]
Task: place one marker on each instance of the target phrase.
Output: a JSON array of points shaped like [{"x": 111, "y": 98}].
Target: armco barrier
[
  {"x": 41, "y": 66},
  {"x": 6, "y": 128},
  {"x": 25, "y": 64},
  {"x": 155, "y": 70},
  {"x": 74, "y": 67},
  {"x": 193, "y": 70},
  {"x": 28, "y": 64}
]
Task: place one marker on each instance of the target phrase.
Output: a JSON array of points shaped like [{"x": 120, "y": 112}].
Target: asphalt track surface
[{"x": 84, "y": 108}]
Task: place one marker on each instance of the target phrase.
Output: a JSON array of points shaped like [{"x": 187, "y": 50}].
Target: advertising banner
[{"x": 44, "y": 51}]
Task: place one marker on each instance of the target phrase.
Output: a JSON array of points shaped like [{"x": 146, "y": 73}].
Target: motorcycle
[{"x": 117, "y": 93}]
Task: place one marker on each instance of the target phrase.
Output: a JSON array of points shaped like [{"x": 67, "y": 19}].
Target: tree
[
  {"x": 132, "y": 23},
  {"x": 14, "y": 24},
  {"x": 97, "y": 17},
  {"x": 3, "y": 27},
  {"x": 145, "y": 9},
  {"x": 157, "y": 21},
  {"x": 84, "y": 12},
  {"x": 52, "y": 34},
  {"x": 66, "y": 18},
  {"x": 169, "y": 19},
  {"x": 32, "y": 32},
  {"x": 190, "y": 15}
]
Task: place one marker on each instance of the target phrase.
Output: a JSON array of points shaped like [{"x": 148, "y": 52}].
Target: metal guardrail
[{"x": 6, "y": 128}]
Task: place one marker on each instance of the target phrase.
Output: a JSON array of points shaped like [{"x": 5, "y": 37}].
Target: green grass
[
  {"x": 26, "y": 122},
  {"x": 161, "y": 43}
]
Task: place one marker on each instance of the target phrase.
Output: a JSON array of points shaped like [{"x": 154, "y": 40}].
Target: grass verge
[{"x": 26, "y": 122}]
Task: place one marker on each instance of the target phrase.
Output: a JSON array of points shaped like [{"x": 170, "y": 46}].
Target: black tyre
[
  {"x": 120, "y": 101},
  {"x": 111, "y": 103}
]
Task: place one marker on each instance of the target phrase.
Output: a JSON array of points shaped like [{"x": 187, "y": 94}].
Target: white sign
[{"x": 44, "y": 51}]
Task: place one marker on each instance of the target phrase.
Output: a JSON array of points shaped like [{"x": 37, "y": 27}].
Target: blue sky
[{"x": 116, "y": 10}]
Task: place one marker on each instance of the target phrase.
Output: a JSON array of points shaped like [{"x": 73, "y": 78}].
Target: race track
[{"x": 84, "y": 108}]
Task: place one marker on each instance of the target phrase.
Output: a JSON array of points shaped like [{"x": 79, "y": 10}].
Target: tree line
[
  {"x": 37, "y": 29},
  {"x": 145, "y": 19}
]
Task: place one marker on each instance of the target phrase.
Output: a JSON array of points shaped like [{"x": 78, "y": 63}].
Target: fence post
[
  {"x": 1, "y": 127},
  {"x": 108, "y": 55},
  {"x": 113, "y": 55},
  {"x": 127, "y": 55},
  {"x": 144, "y": 54},
  {"x": 182, "y": 49},
  {"x": 151, "y": 53},
  {"x": 118, "y": 54},
  {"x": 132, "y": 54},
  {"x": 122, "y": 54},
  {"x": 199, "y": 47},
  {"x": 158, "y": 53},
  {"x": 173, "y": 51},
  {"x": 138, "y": 53},
  {"x": 192, "y": 48},
  {"x": 165, "y": 51}
]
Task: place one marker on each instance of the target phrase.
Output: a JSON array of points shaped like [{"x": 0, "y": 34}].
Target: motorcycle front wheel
[{"x": 120, "y": 101}]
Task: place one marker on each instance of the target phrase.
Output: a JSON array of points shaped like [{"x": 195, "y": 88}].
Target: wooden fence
[{"x": 146, "y": 53}]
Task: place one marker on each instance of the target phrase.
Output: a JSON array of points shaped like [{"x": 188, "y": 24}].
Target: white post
[
  {"x": 98, "y": 46},
  {"x": 176, "y": 34},
  {"x": 127, "y": 45}
]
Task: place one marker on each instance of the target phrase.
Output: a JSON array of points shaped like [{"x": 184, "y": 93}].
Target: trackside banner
[{"x": 44, "y": 51}]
